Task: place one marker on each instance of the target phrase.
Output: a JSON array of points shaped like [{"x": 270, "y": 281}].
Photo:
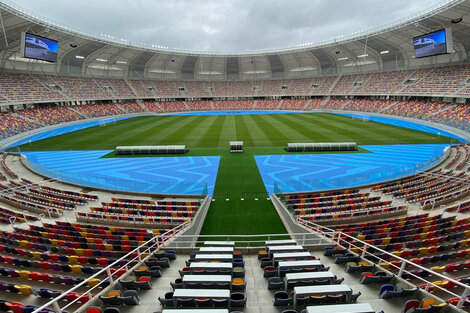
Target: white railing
[
  {"x": 146, "y": 249},
  {"x": 346, "y": 241},
  {"x": 247, "y": 241}
]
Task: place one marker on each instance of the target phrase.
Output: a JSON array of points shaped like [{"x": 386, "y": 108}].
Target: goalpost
[
  {"x": 364, "y": 118},
  {"x": 104, "y": 122}
]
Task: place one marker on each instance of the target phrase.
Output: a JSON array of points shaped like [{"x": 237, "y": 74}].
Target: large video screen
[
  {"x": 431, "y": 44},
  {"x": 40, "y": 48}
]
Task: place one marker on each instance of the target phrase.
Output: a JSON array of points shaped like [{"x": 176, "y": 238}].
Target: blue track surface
[
  {"x": 405, "y": 124},
  {"x": 169, "y": 175},
  {"x": 310, "y": 172},
  {"x": 65, "y": 130}
]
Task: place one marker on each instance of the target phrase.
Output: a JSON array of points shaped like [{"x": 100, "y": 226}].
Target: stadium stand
[
  {"x": 198, "y": 89},
  {"x": 267, "y": 104},
  {"x": 367, "y": 105},
  {"x": 415, "y": 109},
  {"x": 293, "y": 104},
  {"x": 131, "y": 107},
  {"x": 81, "y": 88},
  {"x": 142, "y": 88},
  {"x": 233, "y": 104},
  {"x": 152, "y": 106},
  {"x": 25, "y": 88},
  {"x": 199, "y": 105},
  {"x": 121, "y": 88},
  {"x": 335, "y": 104},
  {"x": 98, "y": 110},
  {"x": 51, "y": 115},
  {"x": 166, "y": 89},
  {"x": 173, "y": 106},
  {"x": 11, "y": 124}
]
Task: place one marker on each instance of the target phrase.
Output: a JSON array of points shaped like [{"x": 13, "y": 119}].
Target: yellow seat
[
  {"x": 423, "y": 250},
  {"x": 355, "y": 250},
  {"x": 36, "y": 255},
  {"x": 76, "y": 268},
  {"x": 143, "y": 268},
  {"x": 397, "y": 253},
  {"x": 143, "y": 255},
  {"x": 114, "y": 293},
  {"x": 238, "y": 283},
  {"x": 108, "y": 246},
  {"x": 73, "y": 258},
  {"x": 427, "y": 302},
  {"x": 23, "y": 274},
  {"x": 25, "y": 289},
  {"x": 438, "y": 269},
  {"x": 79, "y": 251},
  {"x": 361, "y": 237},
  {"x": 386, "y": 240},
  {"x": 93, "y": 282},
  {"x": 384, "y": 264},
  {"x": 54, "y": 242},
  {"x": 23, "y": 243}
]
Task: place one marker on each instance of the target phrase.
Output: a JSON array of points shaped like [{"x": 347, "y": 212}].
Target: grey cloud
[{"x": 223, "y": 25}]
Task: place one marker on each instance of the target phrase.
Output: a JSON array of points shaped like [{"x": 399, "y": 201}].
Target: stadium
[{"x": 329, "y": 176}]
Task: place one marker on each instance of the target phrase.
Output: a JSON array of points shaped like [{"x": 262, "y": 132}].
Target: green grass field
[{"x": 238, "y": 176}]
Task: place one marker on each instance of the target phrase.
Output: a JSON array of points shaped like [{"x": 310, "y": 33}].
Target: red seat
[
  {"x": 35, "y": 276},
  {"x": 45, "y": 265},
  {"x": 45, "y": 277}
]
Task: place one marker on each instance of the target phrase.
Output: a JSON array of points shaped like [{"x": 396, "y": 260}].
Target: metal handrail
[
  {"x": 338, "y": 238},
  {"x": 158, "y": 240}
]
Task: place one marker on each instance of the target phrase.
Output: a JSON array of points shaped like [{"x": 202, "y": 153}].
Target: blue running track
[
  {"x": 169, "y": 175},
  {"x": 305, "y": 172}
]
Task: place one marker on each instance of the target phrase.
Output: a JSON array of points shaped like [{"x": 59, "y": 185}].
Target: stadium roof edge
[{"x": 336, "y": 56}]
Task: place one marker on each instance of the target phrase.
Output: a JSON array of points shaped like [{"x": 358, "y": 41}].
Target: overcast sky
[{"x": 225, "y": 25}]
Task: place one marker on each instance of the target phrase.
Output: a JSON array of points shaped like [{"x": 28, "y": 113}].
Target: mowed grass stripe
[
  {"x": 214, "y": 131},
  {"x": 126, "y": 134},
  {"x": 196, "y": 133},
  {"x": 243, "y": 132},
  {"x": 228, "y": 131},
  {"x": 290, "y": 129},
  {"x": 400, "y": 134},
  {"x": 319, "y": 125},
  {"x": 275, "y": 136},
  {"x": 175, "y": 133},
  {"x": 366, "y": 129},
  {"x": 342, "y": 133},
  {"x": 310, "y": 131},
  {"x": 259, "y": 138}
]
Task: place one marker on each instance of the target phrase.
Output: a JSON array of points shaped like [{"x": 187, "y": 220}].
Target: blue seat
[
  {"x": 44, "y": 293},
  {"x": 386, "y": 291}
]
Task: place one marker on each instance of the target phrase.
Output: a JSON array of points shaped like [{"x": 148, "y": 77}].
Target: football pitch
[{"x": 238, "y": 176}]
